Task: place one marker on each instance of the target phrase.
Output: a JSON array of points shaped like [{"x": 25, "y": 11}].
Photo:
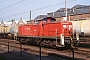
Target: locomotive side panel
[
  {"x": 28, "y": 30},
  {"x": 25, "y": 30},
  {"x": 52, "y": 29},
  {"x": 35, "y": 30}
]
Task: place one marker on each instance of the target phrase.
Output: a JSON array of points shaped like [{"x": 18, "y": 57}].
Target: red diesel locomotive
[{"x": 47, "y": 31}]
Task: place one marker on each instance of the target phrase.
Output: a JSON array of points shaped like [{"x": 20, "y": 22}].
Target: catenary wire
[
  {"x": 21, "y": 6},
  {"x": 12, "y": 5},
  {"x": 39, "y": 8}
]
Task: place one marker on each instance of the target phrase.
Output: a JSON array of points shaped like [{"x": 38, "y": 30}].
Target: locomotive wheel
[{"x": 52, "y": 43}]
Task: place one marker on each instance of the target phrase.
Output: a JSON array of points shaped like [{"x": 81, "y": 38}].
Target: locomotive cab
[
  {"x": 44, "y": 20},
  {"x": 48, "y": 20}
]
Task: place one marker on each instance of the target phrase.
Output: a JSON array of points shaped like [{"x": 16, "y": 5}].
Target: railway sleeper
[{"x": 80, "y": 52}]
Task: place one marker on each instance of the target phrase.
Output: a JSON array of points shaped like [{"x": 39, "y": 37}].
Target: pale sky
[{"x": 16, "y": 9}]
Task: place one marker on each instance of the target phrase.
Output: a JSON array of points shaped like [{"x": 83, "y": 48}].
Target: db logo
[{"x": 27, "y": 28}]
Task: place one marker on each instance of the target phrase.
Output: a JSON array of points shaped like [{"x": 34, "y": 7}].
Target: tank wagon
[
  {"x": 5, "y": 29},
  {"x": 2, "y": 29},
  {"x": 81, "y": 27},
  {"x": 9, "y": 29},
  {"x": 47, "y": 31}
]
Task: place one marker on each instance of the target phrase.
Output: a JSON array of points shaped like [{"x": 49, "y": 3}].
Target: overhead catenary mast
[
  {"x": 65, "y": 10},
  {"x": 30, "y": 17}
]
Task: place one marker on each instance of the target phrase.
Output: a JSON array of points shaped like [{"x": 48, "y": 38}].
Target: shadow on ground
[
  {"x": 25, "y": 56},
  {"x": 13, "y": 55}
]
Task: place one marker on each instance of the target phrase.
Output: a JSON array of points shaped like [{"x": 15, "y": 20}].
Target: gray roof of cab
[{"x": 40, "y": 17}]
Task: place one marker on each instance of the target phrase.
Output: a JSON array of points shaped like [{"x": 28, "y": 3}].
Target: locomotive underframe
[{"x": 45, "y": 40}]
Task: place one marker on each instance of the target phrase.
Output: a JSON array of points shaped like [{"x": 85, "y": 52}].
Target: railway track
[
  {"x": 84, "y": 40},
  {"x": 84, "y": 51},
  {"x": 45, "y": 51}
]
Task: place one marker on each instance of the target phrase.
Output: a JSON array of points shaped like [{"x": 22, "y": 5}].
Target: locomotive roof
[{"x": 48, "y": 18}]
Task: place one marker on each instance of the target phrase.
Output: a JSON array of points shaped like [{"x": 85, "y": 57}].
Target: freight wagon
[{"x": 9, "y": 29}]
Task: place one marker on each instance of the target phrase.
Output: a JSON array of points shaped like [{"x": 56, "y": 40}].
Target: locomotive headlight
[{"x": 34, "y": 30}]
